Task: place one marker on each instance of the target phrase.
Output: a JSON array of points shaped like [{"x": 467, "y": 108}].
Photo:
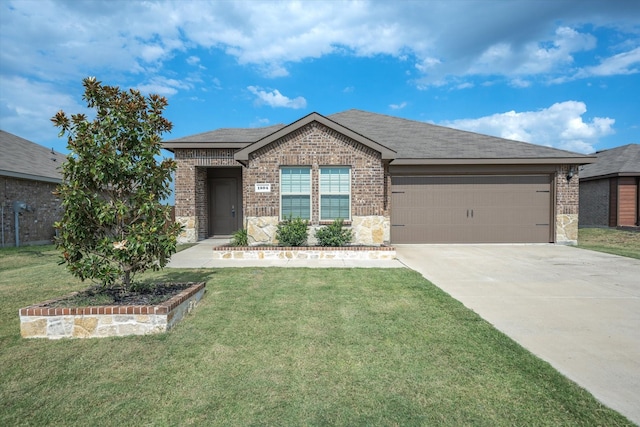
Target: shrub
[
  {"x": 292, "y": 232},
  {"x": 114, "y": 224},
  {"x": 334, "y": 234},
  {"x": 240, "y": 238}
]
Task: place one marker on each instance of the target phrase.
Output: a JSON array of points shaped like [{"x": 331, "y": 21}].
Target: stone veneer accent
[
  {"x": 567, "y": 206},
  {"x": 38, "y": 321},
  {"x": 321, "y": 253},
  {"x": 367, "y": 230}
]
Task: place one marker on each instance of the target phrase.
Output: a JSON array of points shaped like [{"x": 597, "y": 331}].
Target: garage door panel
[{"x": 471, "y": 209}]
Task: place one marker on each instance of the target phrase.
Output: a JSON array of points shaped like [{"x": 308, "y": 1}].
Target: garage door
[{"x": 471, "y": 209}]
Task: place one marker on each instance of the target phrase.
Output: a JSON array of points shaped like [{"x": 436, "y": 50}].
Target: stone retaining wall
[
  {"x": 38, "y": 321},
  {"x": 341, "y": 253}
]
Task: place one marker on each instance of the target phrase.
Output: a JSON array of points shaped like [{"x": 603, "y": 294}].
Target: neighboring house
[
  {"x": 609, "y": 189},
  {"x": 392, "y": 180},
  {"x": 29, "y": 173}
]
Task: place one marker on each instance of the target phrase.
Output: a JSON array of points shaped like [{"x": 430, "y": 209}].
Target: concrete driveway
[{"x": 579, "y": 310}]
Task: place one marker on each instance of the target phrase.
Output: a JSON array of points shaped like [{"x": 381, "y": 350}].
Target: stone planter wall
[
  {"x": 341, "y": 253},
  {"x": 38, "y": 321}
]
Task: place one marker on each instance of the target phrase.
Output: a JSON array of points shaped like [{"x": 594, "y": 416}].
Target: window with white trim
[
  {"x": 335, "y": 193},
  {"x": 295, "y": 192}
]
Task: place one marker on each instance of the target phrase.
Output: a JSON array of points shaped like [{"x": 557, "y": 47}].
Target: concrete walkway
[
  {"x": 200, "y": 256},
  {"x": 579, "y": 310}
]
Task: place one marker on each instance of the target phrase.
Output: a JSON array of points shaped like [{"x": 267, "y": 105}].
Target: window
[
  {"x": 335, "y": 193},
  {"x": 295, "y": 192}
]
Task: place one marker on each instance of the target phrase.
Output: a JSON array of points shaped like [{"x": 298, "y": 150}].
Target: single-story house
[
  {"x": 392, "y": 180},
  {"x": 29, "y": 174},
  {"x": 610, "y": 187}
]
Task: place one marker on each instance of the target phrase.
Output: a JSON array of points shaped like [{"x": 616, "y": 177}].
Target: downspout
[
  {"x": 2, "y": 215},
  {"x": 16, "y": 215}
]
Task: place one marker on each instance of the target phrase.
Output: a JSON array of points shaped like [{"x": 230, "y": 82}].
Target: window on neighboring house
[
  {"x": 335, "y": 193},
  {"x": 295, "y": 192}
]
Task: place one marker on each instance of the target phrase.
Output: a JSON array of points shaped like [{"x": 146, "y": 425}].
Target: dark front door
[{"x": 224, "y": 209}]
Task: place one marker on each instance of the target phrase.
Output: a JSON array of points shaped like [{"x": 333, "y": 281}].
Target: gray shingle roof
[
  {"x": 246, "y": 135},
  {"x": 418, "y": 140},
  {"x": 408, "y": 138},
  {"x": 624, "y": 160},
  {"x": 21, "y": 158}
]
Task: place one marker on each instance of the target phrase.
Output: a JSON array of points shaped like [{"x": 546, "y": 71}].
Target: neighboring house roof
[
  {"x": 24, "y": 159},
  {"x": 619, "y": 161},
  {"x": 411, "y": 142}
]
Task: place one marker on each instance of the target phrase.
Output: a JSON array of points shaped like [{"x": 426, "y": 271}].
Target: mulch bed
[{"x": 96, "y": 296}]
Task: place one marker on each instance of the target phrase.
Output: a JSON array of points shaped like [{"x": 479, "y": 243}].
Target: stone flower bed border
[
  {"x": 38, "y": 321},
  {"x": 305, "y": 252}
]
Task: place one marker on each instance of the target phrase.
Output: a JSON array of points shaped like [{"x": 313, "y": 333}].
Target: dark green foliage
[
  {"x": 114, "y": 225},
  {"x": 292, "y": 232},
  {"x": 240, "y": 238},
  {"x": 334, "y": 234}
]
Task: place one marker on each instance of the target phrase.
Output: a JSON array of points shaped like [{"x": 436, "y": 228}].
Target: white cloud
[
  {"x": 38, "y": 102},
  {"x": 445, "y": 39},
  {"x": 622, "y": 63},
  {"x": 163, "y": 86},
  {"x": 193, "y": 60},
  {"x": 560, "y": 126},
  {"x": 276, "y": 99},
  {"x": 398, "y": 106}
]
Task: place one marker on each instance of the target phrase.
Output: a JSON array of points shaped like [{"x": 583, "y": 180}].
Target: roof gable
[
  {"x": 24, "y": 159},
  {"x": 243, "y": 155},
  {"x": 624, "y": 160}
]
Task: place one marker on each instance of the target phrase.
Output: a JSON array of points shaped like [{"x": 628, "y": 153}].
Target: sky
[{"x": 559, "y": 73}]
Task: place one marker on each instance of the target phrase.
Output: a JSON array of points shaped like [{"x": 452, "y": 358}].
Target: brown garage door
[{"x": 471, "y": 209}]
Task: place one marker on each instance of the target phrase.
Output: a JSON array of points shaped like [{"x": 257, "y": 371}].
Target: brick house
[
  {"x": 392, "y": 180},
  {"x": 29, "y": 173},
  {"x": 610, "y": 187}
]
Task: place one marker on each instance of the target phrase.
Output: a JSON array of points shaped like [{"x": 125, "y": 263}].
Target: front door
[{"x": 224, "y": 210}]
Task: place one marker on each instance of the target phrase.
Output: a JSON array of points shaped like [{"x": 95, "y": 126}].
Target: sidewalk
[{"x": 200, "y": 256}]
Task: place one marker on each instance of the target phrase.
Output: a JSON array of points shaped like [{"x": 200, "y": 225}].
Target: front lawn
[
  {"x": 278, "y": 346},
  {"x": 617, "y": 242}
]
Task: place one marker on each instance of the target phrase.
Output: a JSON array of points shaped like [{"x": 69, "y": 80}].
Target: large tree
[{"x": 114, "y": 224}]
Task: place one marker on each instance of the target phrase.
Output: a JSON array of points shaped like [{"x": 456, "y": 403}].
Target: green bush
[
  {"x": 334, "y": 234},
  {"x": 240, "y": 238},
  {"x": 292, "y": 232}
]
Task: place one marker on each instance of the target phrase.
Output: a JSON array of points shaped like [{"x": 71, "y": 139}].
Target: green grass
[
  {"x": 617, "y": 242},
  {"x": 276, "y": 346}
]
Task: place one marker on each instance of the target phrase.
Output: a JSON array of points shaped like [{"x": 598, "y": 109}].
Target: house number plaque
[{"x": 263, "y": 187}]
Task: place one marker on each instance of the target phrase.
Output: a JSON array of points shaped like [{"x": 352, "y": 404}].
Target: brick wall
[
  {"x": 191, "y": 198},
  {"x": 315, "y": 145},
  {"x": 567, "y": 205},
  {"x": 594, "y": 203},
  {"x": 36, "y": 227}
]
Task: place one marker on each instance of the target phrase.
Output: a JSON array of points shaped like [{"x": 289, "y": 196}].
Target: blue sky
[{"x": 558, "y": 73}]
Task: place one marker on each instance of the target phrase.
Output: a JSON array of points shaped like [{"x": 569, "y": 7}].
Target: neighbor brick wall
[
  {"x": 315, "y": 145},
  {"x": 36, "y": 227},
  {"x": 594, "y": 203},
  {"x": 191, "y": 198}
]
